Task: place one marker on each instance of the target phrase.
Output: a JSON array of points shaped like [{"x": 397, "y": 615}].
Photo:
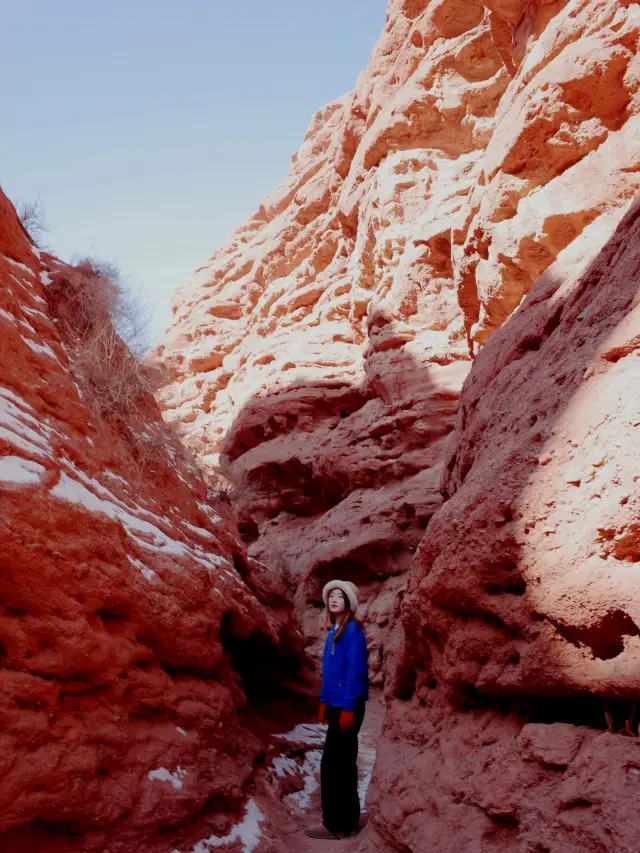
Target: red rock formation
[
  {"x": 486, "y": 147},
  {"x": 125, "y": 601},
  {"x": 522, "y": 619},
  {"x": 322, "y": 349}
]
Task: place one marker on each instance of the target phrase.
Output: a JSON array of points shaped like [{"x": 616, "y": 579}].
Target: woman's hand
[
  {"x": 346, "y": 720},
  {"x": 322, "y": 712}
]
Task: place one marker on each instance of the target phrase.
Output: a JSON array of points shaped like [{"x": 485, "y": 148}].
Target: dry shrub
[
  {"x": 32, "y": 216},
  {"x": 103, "y": 326}
]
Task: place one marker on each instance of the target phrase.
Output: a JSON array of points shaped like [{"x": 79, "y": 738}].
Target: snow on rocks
[
  {"x": 17, "y": 471},
  {"x": 163, "y": 775},
  {"x": 248, "y": 833}
]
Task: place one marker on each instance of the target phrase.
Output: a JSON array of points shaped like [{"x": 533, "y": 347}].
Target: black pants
[{"x": 339, "y": 773}]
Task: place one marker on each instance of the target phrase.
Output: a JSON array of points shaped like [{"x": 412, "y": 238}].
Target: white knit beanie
[{"x": 349, "y": 589}]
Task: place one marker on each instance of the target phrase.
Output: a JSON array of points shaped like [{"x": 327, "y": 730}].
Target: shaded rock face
[
  {"x": 131, "y": 622},
  {"x": 520, "y": 673}
]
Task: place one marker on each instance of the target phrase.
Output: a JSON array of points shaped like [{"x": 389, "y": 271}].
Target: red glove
[
  {"x": 346, "y": 720},
  {"x": 322, "y": 712}
]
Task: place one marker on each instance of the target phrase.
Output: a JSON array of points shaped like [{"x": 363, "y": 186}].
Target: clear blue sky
[{"x": 151, "y": 128}]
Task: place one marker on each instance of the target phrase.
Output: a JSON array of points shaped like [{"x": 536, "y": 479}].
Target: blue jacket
[{"x": 345, "y": 672}]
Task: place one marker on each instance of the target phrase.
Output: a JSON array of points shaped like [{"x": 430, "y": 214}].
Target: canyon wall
[
  {"x": 129, "y": 610},
  {"x": 464, "y": 202},
  {"x": 320, "y": 353}
]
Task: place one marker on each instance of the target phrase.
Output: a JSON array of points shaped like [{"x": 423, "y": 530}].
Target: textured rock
[
  {"x": 322, "y": 349},
  {"x": 522, "y": 623},
  {"x": 126, "y": 599},
  {"x": 477, "y": 174}
]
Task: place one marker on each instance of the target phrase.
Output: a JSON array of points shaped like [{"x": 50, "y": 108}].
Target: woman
[{"x": 345, "y": 689}]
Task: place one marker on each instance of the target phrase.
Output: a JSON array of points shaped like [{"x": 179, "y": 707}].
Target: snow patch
[
  {"x": 213, "y": 516},
  {"x": 11, "y": 395},
  {"x": 181, "y": 731},
  {"x": 45, "y": 278},
  {"x": 14, "y": 469},
  {"x": 146, "y": 572},
  {"x": 33, "y": 312},
  {"x": 164, "y": 775},
  {"x": 310, "y": 771},
  {"x": 40, "y": 348},
  {"x": 6, "y": 316},
  {"x": 366, "y": 760},
  {"x": 312, "y": 734},
  {"x": 145, "y": 534},
  {"x": 285, "y": 766},
  {"x": 247, "y": 832},
  {"x": 14, "y": 429},
  {"x": 24, "y": 268},
  {"x": 199, "y": 531}
]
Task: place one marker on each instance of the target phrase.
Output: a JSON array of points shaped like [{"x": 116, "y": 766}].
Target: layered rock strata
[{"x": 131, "y": 622}]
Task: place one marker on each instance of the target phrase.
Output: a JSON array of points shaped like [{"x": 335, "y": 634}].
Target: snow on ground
[
  {"x": 247, "y": 832},
  {"x": 366, "y": 760},
  {"x": 14, "y": 469},
  {"x": 310, "y": 771},
  {"x": 164, "y": 775},
  {"x": 312, "y": 734},
  {"x": 33, "y": 312}
]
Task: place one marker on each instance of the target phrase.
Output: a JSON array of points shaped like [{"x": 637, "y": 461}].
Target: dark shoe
[{"x": 322, "y": 832}]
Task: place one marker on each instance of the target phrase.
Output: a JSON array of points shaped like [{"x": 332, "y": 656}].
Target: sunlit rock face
[
  {"x": 129, "y": 611},
  {"x": 321, "y": 350}
]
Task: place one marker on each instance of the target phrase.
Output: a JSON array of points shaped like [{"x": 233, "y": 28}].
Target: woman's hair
[{"x": 348, "y": 616}]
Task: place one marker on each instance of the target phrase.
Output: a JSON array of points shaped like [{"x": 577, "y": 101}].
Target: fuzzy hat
[{"x": 349, "y": 589}]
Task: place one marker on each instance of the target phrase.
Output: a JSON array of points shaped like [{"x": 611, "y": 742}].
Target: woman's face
[{"x": 336, "y": 602}]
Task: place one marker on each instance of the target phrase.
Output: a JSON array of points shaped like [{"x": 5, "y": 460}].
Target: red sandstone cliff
[
  {"x": 486, "y": 147},
  {"x": 322, "y": 349},
  {"x": 126, "y": 599}
]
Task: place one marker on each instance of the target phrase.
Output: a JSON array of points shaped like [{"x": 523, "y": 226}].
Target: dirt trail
[{"x": 297, "y": 841}]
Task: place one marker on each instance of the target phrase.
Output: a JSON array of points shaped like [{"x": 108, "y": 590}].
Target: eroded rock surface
[
  {"x": 322, "y": 349},
  {"x": 486, "y": 147},
  {"x": 126, "y": 602},
  {"x": 522, "y": 654}
]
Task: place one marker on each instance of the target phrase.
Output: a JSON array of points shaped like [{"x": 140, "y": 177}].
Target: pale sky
[{"x": 151, "y": 128}]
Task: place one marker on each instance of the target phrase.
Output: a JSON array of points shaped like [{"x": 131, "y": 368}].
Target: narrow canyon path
[{"x": 305, "y": 810}]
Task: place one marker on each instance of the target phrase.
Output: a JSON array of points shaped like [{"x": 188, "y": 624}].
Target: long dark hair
[{"x": 348, "y": 616}]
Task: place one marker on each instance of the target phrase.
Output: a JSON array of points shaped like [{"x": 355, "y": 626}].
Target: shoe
[{"x": 322, "y": 832}]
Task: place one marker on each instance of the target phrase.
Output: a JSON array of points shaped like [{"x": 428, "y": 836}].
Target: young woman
[{"x": 345, "y": 689}]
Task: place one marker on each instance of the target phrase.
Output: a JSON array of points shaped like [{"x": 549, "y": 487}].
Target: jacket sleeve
[
  {"x": 357, "y": 668},
  {"x": 323, "y": 690}
]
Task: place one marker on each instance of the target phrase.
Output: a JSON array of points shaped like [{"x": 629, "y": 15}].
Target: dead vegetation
[
  {"x": 103, "y": 326},
  {"x": 32, "y": 216}
]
